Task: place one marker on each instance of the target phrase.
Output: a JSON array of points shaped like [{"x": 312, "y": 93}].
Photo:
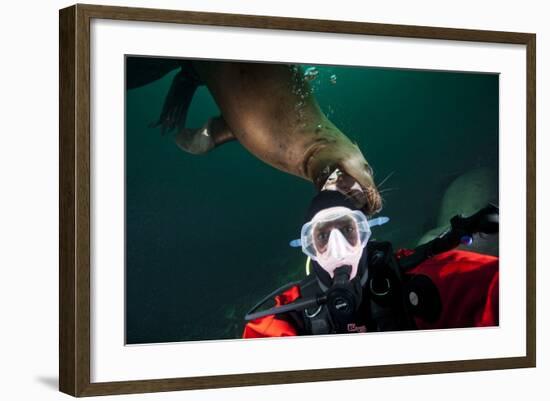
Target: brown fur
[{"x": 270, "y": 110}]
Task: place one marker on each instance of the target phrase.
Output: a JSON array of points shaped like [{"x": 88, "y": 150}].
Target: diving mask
[{"x": 336, "y": 237}]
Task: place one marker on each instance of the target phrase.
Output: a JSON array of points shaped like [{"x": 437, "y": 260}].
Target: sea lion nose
[
  {"x": 374, "y": 201},
  {"x": 358, "y": 183},
  {"x": 365, "y": 195}
]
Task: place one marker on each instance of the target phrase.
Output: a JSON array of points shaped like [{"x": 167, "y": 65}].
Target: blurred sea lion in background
[
  {"x": 271, "y": 111},
  {"x": 465, "y": 195}
]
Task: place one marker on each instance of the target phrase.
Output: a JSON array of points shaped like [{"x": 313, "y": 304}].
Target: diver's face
[
  {"x": 335, "y": 237},
  {"x": 345, "y": 225}
]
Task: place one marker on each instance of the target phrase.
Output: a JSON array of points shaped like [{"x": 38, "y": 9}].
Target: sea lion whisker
[
  {"x": 385, "y": 179},
  {"x": 388, "y": 190}
]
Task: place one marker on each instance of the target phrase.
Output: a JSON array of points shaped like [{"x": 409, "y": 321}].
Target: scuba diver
[{"x": 361, "y": 285}]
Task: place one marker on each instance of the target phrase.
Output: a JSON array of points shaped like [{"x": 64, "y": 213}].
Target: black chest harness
[{"x": 389, "y": 299}]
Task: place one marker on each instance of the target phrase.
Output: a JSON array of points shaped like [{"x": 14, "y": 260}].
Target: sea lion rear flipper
[
  {"x": 199, "y": 141},
  {"x": 177, "y": 101}
]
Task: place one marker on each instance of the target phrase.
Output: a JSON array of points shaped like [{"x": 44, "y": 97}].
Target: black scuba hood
[{"x": 324, "y": 200}]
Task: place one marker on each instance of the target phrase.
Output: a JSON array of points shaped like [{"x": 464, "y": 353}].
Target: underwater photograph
[{"x": 272, "y": 199}]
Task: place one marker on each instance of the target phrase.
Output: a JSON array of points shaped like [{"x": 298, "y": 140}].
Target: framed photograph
[{"x": 250, "y": 200}]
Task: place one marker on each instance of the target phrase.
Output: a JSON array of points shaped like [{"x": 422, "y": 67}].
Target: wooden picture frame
[{"x": 74, "y": 205}]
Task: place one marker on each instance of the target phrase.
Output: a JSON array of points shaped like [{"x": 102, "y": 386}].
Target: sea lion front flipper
[
  {"x": 213, "y": 133},
  {"x": 177, "y": 101}
]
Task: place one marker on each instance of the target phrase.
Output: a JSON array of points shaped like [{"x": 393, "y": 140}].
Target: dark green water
[{"x": 207, "y": 236}]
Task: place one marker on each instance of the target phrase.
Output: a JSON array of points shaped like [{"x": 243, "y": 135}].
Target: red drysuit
[{"x": 467, "y": 284}]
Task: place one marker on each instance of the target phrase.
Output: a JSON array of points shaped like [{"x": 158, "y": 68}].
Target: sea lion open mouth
[
  {"x": 368, "y": 199},
  {"x": 271, "y": 110}
]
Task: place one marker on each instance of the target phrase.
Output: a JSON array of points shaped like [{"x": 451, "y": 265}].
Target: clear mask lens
[
  {"x": 316, "y": 234},
  {"x": 345, "y": 225}
]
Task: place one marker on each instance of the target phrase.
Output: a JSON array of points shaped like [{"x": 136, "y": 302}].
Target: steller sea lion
[{"x": 271, "y": 111}]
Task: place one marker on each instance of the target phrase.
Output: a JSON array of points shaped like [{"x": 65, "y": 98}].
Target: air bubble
[{"x": 311, "y": 73}]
